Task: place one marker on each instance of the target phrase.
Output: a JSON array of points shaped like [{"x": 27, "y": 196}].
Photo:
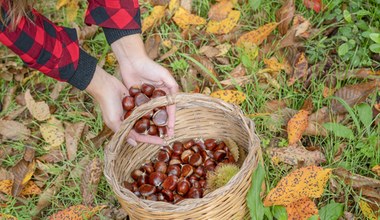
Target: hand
[
  {"x": 137, "y": 68},
  {"x": 108, "y": 93}
]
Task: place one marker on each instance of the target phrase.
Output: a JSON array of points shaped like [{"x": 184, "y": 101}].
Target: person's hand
[
  {"x": 108, "y": 93},
  {"x": 137, "y": 68}
]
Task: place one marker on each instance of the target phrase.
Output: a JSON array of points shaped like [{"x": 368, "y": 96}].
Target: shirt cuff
[
  {"x": 113, "y": 35},
  {"x": 85, "y": 71}
]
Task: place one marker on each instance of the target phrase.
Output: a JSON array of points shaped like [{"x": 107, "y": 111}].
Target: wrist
[
  {"x": 129, "y": 49},
  {"x": 97, "y": 83}
]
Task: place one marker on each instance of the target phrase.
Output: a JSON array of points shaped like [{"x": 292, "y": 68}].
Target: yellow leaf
[
  {"x": 297, "y": 126},
  {"x": 257, "y": 36},
  {"x": 376, "y": 169},
  {"x": 220, "y": 10},
  {"x": 367, "y": 210},
  {"x": 39, "y": 110},
  {"x": 173, "y": 5},
  {"x": 157, "y": 13},
  {"x": 301, "y": 209},
  {"x": 53, "y": 132},
  {"x": 30, "y": 188},
  {"x": 304, "y": 182},
  {"x": 61, "y": 3},
  {"x": 275, "y": 67},
  {"x": 72, "y": 10},
  {"x": 184, "y": 19},
  {"x": 231, "y": 96},
  {"x": 7, "y": 216},
  {"x": 224, "y": 26},
  {"x": 77, "y": 212}
]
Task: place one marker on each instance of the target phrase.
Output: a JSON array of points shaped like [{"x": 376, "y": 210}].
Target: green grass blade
[{"x": 254, "y": 203}]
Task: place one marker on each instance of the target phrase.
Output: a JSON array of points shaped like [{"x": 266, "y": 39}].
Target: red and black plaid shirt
[{"x": 54, "y": 50}]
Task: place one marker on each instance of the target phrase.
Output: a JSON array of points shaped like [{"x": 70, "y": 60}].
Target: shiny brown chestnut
[
  {"x": 203, "y": 183},
  {"x": 219, "y": 155},
  {"x": 195, "y": 160},
  {"x": 142, "y": 125},
  {"x": 147, "y": 89},
  {"x": 160, "y": 166},
  {"x": 143, "y": 179},
  {"x": 177, "y": 198},
  {"x": 178, "y": 148},
  {"x": 170, "y": 183},
  {"x": 157, "y": 178},
  {"x": 168, "y": 194},
  {"x": 153, "y": 130},
  {"x": 158, "y": 93},
  {"x": 161, "y": 131},
  {"x": 194, "y": 193},
  {"x": 148, "y": 168},
  {"x": 174, "y": 170},
  {"x": 147, "y": 189},
  {"x": 175, "y": 161},
  {"x": 160, "y": 118},
  {"x": 127, "y": 114},
  {"x": 167, "y": 149},
  {"x": 163, "y": 156},
  {"x": 148, "y": 115},
  {"x": 210, "y": 144},
  {"x": 183, "y": 187},
  {"x": 185, "y": 156},
  {"x": 200, "y": 172},
  {"x": 136, "y": 174},
  {"x": 128, "y": 103},
  {"x": 188, "y": 144},
  {"x": 134, "y": 90},
  {"x": 141, "y": 98},
  {"x": 187, "y": 170}
]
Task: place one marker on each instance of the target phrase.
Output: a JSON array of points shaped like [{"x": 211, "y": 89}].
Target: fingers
[
  {"x": 134, "y": 137},
  {"x": 171, "y": 120}
]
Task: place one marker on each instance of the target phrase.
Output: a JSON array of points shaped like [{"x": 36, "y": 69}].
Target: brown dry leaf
[
  {"x": 209, "y": 51},
  {"x": 301, "y": 209},
  {"x": 105, "y": 134},
  {"x": 223, "y": 48},
  {"x": 22, "y": 172},
  {"x": 90, "y": 181},
  {"x": 86, "y": 32},
  {"x": 203, "y": 62},
  {"x": 184, "y": 19},
  {"x": 293, "y": 36},
  {"x": 58, "y": 87},
  {"x": 241, "y": 81},
  {"x": 152, "y": 45},
  {"x": 238, "y": 71},
  {"x": 157, "y": 13},
  {"x": 224, "y": 26},
  {"x": 159, "y": 2},
  {"x": 186, "y": 4},
  {"x": 327, "y": 92},
  {"x": 285, "y": 15},
  {"x": 78, "y": 212},
  {"x": 231, "y": 96},
  {"x": 9, "y": 96},
  {"x": 367, "y": 210},
  {"x": 274, "y": 106},
  {"x": 53, "y": 156},
  {"x": 294, "y": 155},
  {"x": 355, "y": 180},
  {"x": 220, "y": 10},
  {"x": 304, "y": 182},
  {"x": 297, "y": 125},
  {"x": 73, "y": 132},
  {"x": 352, "y": 95},
  {"x": 72, "y": 10},
  {"x": 257, "y": 36},
  {"x": 376, "y": 169},
  {"x": 53, "y": 133},
  {"x": 13, "y": 130},
  {"x": 300, "y": 68},
  {"x": 39, "y": 110}
]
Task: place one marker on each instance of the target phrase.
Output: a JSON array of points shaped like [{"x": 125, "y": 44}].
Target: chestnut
[
  {"x": 147, "y": 89},
  {"x": 210, "y": 144},
  {"x": 196, "y": 148},
  {"x": 210, "y": 167},
  {"x": 161, "y": 131},
  {"x": 160, "y": 166},
  {"x": 209, "y": 162},
  {"x": 134, "y": 90},
  {"x": 170, "y": 183},
  {"x": 196, "y": 184},
  {"x": 203, "y": 183},
  {"x": 175, "y": 156},
  {"x": 195, "y": 160},
  {"x": 177, "y": 198},
  {"x": 128, "y": 186},
  {"x": 160, "y": 118},
  {"x": 187, "y": 170},
  {"x": 200, "y": 144},
  {"x": 143, "y": 179},
  {"x": 136, "y": 174},
  {"x": 152, "y": 197},
  {"x": 183, "y": 187},
  {"x": 219, "y": 155},
  {"x": 148, "y": 115},
  {"x": 194, "y": 193},
  {"x": 174, "y": 170},
  {"x": 141, "y": 98},
  {"x": 153, "y": 130},
  {"x": 158, "y": 92},
  {"x": 160, "y": 197},
  {"x": 157, "y": 178},
  {"x": 127, "y": 114},
  {"x": 200, "y": 172},
  {"x": 175, "y": 161},
  {"x": 163, "y": 156},
  {"x": 128, "y": 103},
  {"x": 142, "y": 125},
  {"x": 168, "y": 194},
  {"x": 168, "y": 149},
  {"x": 185, "y": 156},
  {"x": 188, "y": 144},
  {"x": 147, "y": 190},
  {"x": 148, "y": 168},
  {"x": 193, "y": 178},
  {"x": 178, "y": 148}
]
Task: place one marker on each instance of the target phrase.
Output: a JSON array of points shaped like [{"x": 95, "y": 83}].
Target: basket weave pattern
[{"x": 197, "y": 116}]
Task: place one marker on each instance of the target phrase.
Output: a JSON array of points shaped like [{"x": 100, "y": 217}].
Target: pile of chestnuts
[
  {"x": 152, "y": 123},
  {"x": 179, "y": 171}
]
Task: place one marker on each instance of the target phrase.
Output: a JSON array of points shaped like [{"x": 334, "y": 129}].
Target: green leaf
[
  {"x": 339, "y": 130},
  {"x": 347, "y": 16},
  {"x": 255, "y": 4},
  {"x": 254, "y": 203},
  {"x": 375, "y": 48},
  {"x": 365, "y": 114},
  {"x": 314, "y": 217},
  {"x": 343, "y": 49},
  {"x": 279, "y": 212},
  {"x": 375, "y": 37},
  {"x": 331, "y": 211},
  {"x": 268, "y": 213},
  {"x": 362, "y": 13}
]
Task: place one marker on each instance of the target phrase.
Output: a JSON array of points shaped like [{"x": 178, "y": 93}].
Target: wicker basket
[{"x": 197, "y": 116}]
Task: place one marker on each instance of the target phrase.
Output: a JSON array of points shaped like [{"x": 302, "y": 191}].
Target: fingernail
[{"x": 132, "y": 142}]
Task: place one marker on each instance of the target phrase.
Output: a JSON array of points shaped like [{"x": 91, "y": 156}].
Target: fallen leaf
[
  {"x": 105, "y": 134},
  {"x": 72, "y": 10},
  {"x": 376, "y": 169},
  {"x": 274, "y": 106},
  {"x": 316, "y": 5},
  {"x": 61, "y": 3},
  {"x": 184, "y": 19},
  {"x": 302, "y": 28},
  {"x": 152, "y": 45},
  {"x": 86, "y": 32},
  {"x": 13, "y": 130},
  {"x": 355, "y": 180},
  {"x": 294, "y": 155},
  {"x": 186, "y": 4},
  {"x": 275, "y": 67},
  {"x": 78, "y": 212},
  {"x": 173, "y": 5},
  {"x": 300, "y": 68},
  {"x": 367, "y": 210},
  {"x": 22, "y": 172},
  {"x": 39, "y": 110},
  {"x": 301, "y": 209},
  {"x": 204, "y": 66},
  {"x": 224, "y": 26},
  {"x": 159, "y": 2},
  {"x": 297, "y": 125},
  {"x": 7, "y": 216},
  {"x": 238, "y": 71},
  {"x": 53, "y": 156},
  {"x": 8, "y": 97},
  {"x": 58, "y": 87},
  {"x": 77, "y": 172},
  {"x": 231, "y": 96},
  {"x": 157, "y": 13},
  {"x": 73, "y": 132},
  {"x": 304, "y": 182},
  {"x": 285, "y": 15},
  {"x": 220, "y": 10},
  {"x": 241, "y": 81},
  {"x": 209, "y": 51},
  {"x": 223, "y": 48},
  {"x": 90, "y": 181},
  {"x": 257, "y": 36},
  {"x": 352, "y": 95},
  {"x": 53, "y": 133}
]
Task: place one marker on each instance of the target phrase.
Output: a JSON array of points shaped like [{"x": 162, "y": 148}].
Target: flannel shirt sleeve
[
  {"x": 118, "y": 18},
  {"x": 49, "y": 48}
]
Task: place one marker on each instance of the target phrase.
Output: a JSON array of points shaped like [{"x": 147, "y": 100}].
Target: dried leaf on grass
[
  {"x": 275, "y": 67},
  {"x": 53, "y": 132},
  {"x": 13, "y": 130},
  {"x": 39, "y": 110},
  {"x": 220, "y": 10},
  {"x": 209, "y": 51},
  {"x": 376, "y": 169},
  {"x": 304, "y": 182},
  {"x": 297, "y": 126},
  {"x": 257, "y": 36},
  {"x": 72, "y": 10},
  {"x": 184, "y": 19},
  {"x": 301, "y": 209},
  {"x": 174, "y": 5},
  {"x": 157, "y": 13},
  {"x": 231, "y": 96},
  {"x": 300, "y": 68},
  {"x": 224, "y": 26},
  {"x": 58, "y": 87},
  {"x": 295, "y": 155},
  {"x": 77, "y": 212},
  {"x": 53, "y": 156},
  {"x": 152, "y": 45},
  {"x": 7, "y": 216},
  {"x": 22, "y": 173},
  {"x": 30, "y": 188},
  {"x": 204, "y": 66},
  {"x": 73, "y": 132},
  {"x": 355, "y": 180},
  {"x": 367, "y": 210},
  {"x": 90, "y": 181},
  {"x": 186, "y": 4},
  {"x": 285, "y": 15}
]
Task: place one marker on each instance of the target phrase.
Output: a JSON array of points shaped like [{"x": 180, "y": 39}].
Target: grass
[{"x": 359, "y": 155}]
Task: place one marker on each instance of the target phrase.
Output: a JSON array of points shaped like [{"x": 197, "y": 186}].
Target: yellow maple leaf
[
  {"x": 157, "y": 13},
  {"x": 257, "y": 36},
  {"x": 30, "y": 188},
  {"x": 367, "y": 210},
  {"x": 376, "y": 169},
  {"x": 301, "y": 209},
  {"x": 53, "y": 132},
  {"x": 304, "y": 182},
  {"x": 231, "y": 96},
  {"x": 224, "y": 26},
  {"x": 297, "y": 126},
  {"x": 184, "y": 18},
  {"x": 77, "y": 212}
]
